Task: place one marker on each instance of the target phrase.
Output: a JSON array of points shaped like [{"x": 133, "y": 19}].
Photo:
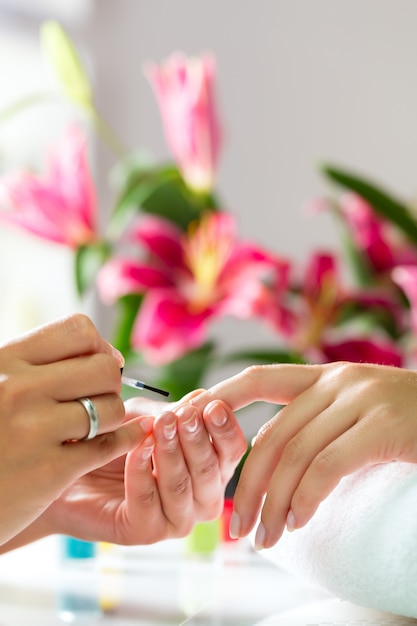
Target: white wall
[{"x": 300, "y": 81}]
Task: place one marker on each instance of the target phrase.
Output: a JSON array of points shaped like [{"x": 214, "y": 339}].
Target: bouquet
[{"x": 170, "y": 260}]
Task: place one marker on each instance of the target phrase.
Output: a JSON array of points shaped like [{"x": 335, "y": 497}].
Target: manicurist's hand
[
  {"x": 338, "y": 418},
  {"x": 43, "y": 425}
]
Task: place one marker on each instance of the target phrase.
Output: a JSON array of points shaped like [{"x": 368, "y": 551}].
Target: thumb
[{"x": 86, "y": 456}]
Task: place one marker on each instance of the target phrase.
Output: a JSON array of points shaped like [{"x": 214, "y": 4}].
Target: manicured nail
[
  {"x": 118, "y": 356},
  {"x": 260, "y": 537},
  {"x": 146, "y": 424},
  {"x": 217, "y": 415},
  {"x": 170, "y": 430},
  {"x": 290, "y": 521},
  {"x": 189, "y": 418},
  {"x": 235, "y": 525},
  {"x": 147, "y": 448}
]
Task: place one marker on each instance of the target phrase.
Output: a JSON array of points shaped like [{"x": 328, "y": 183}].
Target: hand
[
  {"x": 339, "y": 417},
  {"x": 174, "y": 478},
  {"x": 42, "y": 425}
]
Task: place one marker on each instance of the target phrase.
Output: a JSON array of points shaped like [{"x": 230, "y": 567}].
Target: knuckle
[
  {"x": 147, "y": 498},
  {"x": 294, "y": 451},
  {"x": 209, "y": 467},
  {"x": 179, "y": 486},
  {"x": 83, "y": 328},
  {"x": 106, "y": 445},
  {"x": 324, "y": 463}
]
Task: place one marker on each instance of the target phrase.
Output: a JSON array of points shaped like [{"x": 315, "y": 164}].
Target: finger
[
  {"x": 59, "y": 340},
  {"x": 278, "y": 383},
  {"x": 280, "y": 433},
  {"x": 81, "y": 376},
  {"x": 79, "y": 458},
  {"x": 359, "y": 446},
  {"x": 172, "y": 475},
  {"x": 297, "y": 455},
  {"x": 228, "y": 438},
  {"x": 202, "y": 463},
  {"x": 140, "y": 405},
  {"x": 143, "y": 504},
  {"x": 72, "y": 419}
]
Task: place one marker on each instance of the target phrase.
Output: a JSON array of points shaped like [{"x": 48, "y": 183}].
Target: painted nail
[
  {"x": 235, "y": 525},
  {"x": 291, "y": 521},
  {"x": 260, "y": 537}
]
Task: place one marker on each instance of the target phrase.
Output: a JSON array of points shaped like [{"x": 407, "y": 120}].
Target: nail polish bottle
[{"x": 77, "y": 597}]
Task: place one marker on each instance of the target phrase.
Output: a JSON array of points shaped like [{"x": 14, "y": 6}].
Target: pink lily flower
[
  {"x": 188, "y": 280},
  {"x": 323, "y": 300},
  {"x": 361, "y": 350},
  {"x": 406, "y": 278},
  {"x": 60, "y": 206},
  {"x": 375, "y": 236},
  {"x": 184, "y": 89}
]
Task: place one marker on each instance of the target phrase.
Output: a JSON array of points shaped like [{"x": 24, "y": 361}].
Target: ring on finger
[{"x": 93, "y": 417}]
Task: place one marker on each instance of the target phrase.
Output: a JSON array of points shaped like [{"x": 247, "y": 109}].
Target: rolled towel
[{"x": 361, "y": 545}]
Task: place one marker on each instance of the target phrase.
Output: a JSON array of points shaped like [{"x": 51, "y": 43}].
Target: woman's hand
[
  {"x": 42, "y": 425},
  {"x": 174, "y": 478},
  {"x": 339, "y": 417}
]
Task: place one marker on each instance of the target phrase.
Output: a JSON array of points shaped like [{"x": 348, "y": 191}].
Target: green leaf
[
  {"x": 127, "y": 310},
  {"x": 187, "y": 373},
  {"x": 88, "y": 260},
  {"x": 159, "y": 190},
  {"x": 63, "y": 56},
  {"x": 388, "y": 207}
]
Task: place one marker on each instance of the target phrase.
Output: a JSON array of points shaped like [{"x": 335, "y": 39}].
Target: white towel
[{"x": 361, "y": 545}]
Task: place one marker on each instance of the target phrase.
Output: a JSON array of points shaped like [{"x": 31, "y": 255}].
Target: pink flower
[
  {"x": 322, "y": 301},
  {"x": 188, "y": 280},
  {"x": 406, "y": 278},
  {"x": 319, "y": 300},
  {"x": 361, "y": 350},
  {"x": 60, "y": 206},
  {"x": 375, "y": 236},
  {"x": 184, "y": 88}
]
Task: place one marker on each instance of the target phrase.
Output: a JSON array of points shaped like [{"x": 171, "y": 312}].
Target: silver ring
[{"x": 93, "y": 417}]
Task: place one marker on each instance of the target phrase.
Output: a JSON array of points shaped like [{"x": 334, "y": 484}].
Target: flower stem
[{"x": 107, "y": 134}]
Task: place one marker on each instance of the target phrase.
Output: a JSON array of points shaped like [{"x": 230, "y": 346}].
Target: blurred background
[{"x": 298, "y": 83}]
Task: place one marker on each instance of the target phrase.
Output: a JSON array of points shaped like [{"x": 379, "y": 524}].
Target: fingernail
[
  {"x": 235, "y": 525},
  {"x": 290, "y": 521},
  {"x": 146, "y": 424},
  {"x": 147, "y": 448},
  {"x": 118, "y": 356},
  {"x": 170, "y": 430},
  {"x": 217, "y": 415},
  {"x": 189, "y": 418},
  {"x": 260, "y": 537}
]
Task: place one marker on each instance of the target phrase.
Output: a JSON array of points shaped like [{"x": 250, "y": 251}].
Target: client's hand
[
  {"x": 339, "y": 417},
  {"x": 174, "y": 478}
]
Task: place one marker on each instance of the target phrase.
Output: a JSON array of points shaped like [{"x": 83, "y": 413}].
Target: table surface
[{"x": 159, "y": 585}]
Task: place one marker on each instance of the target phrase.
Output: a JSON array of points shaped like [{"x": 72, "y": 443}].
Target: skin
[
  {"x": 337, "y": 418},
  {"x": 152, "y": 471}
]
